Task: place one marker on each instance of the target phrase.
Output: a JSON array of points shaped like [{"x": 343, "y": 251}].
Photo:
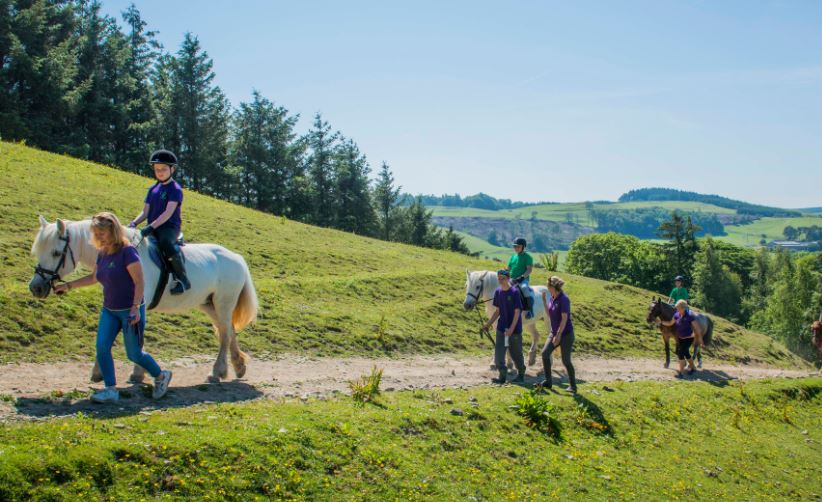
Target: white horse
[
  {"x": 480, "y": 287},
  {"x": 221, "y": 284}
]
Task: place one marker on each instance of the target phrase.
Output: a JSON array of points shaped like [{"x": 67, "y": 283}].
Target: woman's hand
[
  {"x": 555, "y": 340},
  {"x": 62, "y": 288},
  {"x": 134, "y": 315}
]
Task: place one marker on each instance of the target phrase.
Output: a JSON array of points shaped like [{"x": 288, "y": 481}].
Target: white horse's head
[
  {"x": 477, "y": 287},
  {"x": 56, "y": 249}
]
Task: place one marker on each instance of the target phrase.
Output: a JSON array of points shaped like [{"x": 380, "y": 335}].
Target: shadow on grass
[
  {"x": 598, "y": 420},
  {"x": 137, "y": 398}
]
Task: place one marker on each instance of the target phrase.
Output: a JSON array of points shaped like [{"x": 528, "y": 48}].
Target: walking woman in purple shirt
[
  {"x": 162, "y": 209},
  {"x": 120, "y": 272},
  {"x": 558, "y": 309},
  {"x": 687, "y": 332}
]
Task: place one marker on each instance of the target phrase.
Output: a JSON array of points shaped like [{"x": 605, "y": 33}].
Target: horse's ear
[
  {"x": 43, "y": 221},
  {"x": 61, "y": 227}
]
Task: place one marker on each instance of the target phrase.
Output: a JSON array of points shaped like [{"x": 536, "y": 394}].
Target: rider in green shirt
[
  {"x": 679, "y": 292},
  {"x": 520, "y": 265}
]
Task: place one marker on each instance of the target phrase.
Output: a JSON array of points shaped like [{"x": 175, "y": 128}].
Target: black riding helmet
[
  {"x": 519, "y": 241},
  {"x": 679, "y": 278},
  {"x": 163, "y": 157}
]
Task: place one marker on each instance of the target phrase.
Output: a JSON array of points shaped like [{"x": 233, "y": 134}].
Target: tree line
[
  {"x": 73, "y": 81},
  {"x": 651, "y": 194},
  {"x": 645, "y": 222},
  {"x": 476, "y": 201},
  {"x": 775, "y": 292}
]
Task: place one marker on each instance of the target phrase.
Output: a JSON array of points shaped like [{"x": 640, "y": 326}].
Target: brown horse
[{"x": 665, "y": 312}]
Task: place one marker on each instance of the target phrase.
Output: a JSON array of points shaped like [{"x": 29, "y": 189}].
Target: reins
[{"x": 52, "y": 276}]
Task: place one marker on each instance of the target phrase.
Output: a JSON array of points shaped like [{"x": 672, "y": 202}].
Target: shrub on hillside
[{"x": 367, "y": 387}]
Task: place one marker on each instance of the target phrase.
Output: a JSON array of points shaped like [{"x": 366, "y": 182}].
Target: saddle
[
  {"x": 162, "y": 263},
  {"x": 527, "y": 299}
]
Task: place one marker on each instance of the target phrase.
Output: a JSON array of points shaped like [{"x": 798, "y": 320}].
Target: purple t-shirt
[
  {"x": 556, "y": 307},
  {"x": 112, "y": 273},
  {"x": 159, "y": 196},
  {"x": 507, "y": 302},
  {"x": 684, "y": 329}
]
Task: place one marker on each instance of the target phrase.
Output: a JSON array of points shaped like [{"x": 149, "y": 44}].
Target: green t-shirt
[
  {"x": 679, "y": 294},
  {"x": 519, "y": 263}
]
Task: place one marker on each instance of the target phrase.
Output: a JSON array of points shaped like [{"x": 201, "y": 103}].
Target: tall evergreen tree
[
  {"x": 38, "y": 69},
  {"x": 321, "y": 143},
  {"x": 266, "y": 153},
  {"x": 386, "y": 199},
  {"x": 682, "y": 247},
  {"x": 353, "y": 208},
  {"x": 133, "y": 138},
  {"x": 196, "y": 113}
]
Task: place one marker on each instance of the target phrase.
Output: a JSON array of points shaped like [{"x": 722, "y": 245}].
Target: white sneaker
[
  {"x": 107, "y": 395},
  {"x": 161, "y": 384}
]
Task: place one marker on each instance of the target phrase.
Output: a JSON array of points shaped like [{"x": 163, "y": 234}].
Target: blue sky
[{"x": 561, "y": 101}]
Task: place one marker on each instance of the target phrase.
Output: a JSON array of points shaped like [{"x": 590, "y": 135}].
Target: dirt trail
[{"x": 36, "y": 391}]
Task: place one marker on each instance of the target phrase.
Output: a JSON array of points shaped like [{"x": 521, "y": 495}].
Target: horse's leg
[
  {"x": 532, "y": 353},
  {"x": 221, "y": 318},
  {"x": 96, "y": 374},
  {"x": 698, "y": 356},
  {"x": 138, "y": 374},
  {"x": 667, "y": 339}
]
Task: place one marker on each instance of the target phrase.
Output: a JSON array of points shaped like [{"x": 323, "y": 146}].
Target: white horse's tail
[{"x": 245, "y": 312}]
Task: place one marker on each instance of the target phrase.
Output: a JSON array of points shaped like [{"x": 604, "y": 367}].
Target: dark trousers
[
  {"x": 167, "y": 241},
  {"x": 683, "y": 348},
  {"x": 514, "y": 345},
  {"x": 566, "y": 343}
]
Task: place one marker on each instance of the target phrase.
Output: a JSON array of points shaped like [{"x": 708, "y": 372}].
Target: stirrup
[{"x": 179, "y": 288}]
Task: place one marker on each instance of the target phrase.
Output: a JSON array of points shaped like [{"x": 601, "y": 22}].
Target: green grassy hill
[
  {"x": 770, "y": 228},
  {"x": 623, "y": 441},
  {"x": 322, "y": 292}
]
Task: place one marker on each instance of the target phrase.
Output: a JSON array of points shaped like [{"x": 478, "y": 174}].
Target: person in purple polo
[
  {"x": 687, "y": 332},
  {"x": 558, "y": 308},
  {"x": 162, "y": 210},
  {"x": 508, "y": 303},
  {"x": 120, "y": 272}
]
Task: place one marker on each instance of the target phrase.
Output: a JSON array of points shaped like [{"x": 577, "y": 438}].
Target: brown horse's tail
[
  {"x": 706, "y": 338},
  {"x": 245, "y": 311}
]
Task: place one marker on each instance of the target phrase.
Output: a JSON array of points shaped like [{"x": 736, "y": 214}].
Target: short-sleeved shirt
[
  {"x": 159, "y": 196},
  {"x": 556, "y": 307},
  {"x": 519, "y": 263},
  {"x": 684, "y": 329},
  {"x": 507, "y": 302},
  {"x": 679, "y": 294},
  {"x": 112, "y": 273}
]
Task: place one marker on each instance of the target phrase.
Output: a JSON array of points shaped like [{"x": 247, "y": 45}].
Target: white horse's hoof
[
  {"x": 493, "y": 367},
  {"x": 96, "y": 376},
  {"x": 510, "y": 366},
  {"x": 136, "y": 378},
  {"x": 532, "y": 357},
  {"x": 213, "y": 379}
]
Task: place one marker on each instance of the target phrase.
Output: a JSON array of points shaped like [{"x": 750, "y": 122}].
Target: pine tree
[
  {"x": 133, "y": 139},
  {"x": 265, "y": 151},
  {"x": 353, "y": 208},
  {"x": 38, "y": 68},
  {"x": 683, "y": 246},
  {"x": 196, "y": 114},
  {"x": 386, "y": 199},
  {"x": 321, "y": 143}
]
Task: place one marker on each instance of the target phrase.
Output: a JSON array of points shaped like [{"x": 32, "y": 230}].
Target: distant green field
[
  {"x": 575, "y": 212},
  {"x": 771, "y": 228}
]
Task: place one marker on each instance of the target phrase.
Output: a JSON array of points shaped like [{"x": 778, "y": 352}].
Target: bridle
[
  {"x": 477, "y": 296},
  {"x": 51, "y": 276}
]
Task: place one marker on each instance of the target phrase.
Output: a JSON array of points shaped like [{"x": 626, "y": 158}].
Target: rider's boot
[
  {"x": 179, "y": 270},
  {"x": 503, "y": 376}
]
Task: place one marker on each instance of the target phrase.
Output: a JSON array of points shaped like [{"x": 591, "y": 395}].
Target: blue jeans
[{"x": 111, "y": 323}]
